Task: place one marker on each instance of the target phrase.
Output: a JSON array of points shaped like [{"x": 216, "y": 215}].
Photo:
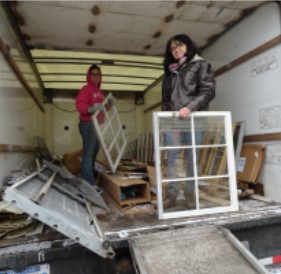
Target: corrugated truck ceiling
[{"x": 126, "y": 38}]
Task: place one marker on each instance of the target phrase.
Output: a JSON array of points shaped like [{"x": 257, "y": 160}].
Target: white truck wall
[
  {"x": 20, "y": 117},
  {"x": 251, "y": 91},
  {"x": 21, "y": 120}
]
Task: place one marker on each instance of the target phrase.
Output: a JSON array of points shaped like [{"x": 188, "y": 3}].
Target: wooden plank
[
  {"x": 263, "y": 137},
  {"x": 13, "y": 65},
  {"x": 215, "y": 200},
  {"x": 242, "y": 59},
  {"x": 16, "y": 148},
  {"x": 156, "y": 105}
]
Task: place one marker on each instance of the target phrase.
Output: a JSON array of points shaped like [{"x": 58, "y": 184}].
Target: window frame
[{"x": 230, "y": 161}]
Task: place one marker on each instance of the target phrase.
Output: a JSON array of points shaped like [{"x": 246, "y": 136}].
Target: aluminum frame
[
  {"x": 58, "y": 209},
  {"x": 230, "y": 160},
  {"x": 111, "y": 127}
]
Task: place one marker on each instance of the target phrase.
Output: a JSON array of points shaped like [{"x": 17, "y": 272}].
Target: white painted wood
[
  {"x": 110, "y": 133},
  {"x": 61, "y": 141},
  {"x": 231, "y": 171}
]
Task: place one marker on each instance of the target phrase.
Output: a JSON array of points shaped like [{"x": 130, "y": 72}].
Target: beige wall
[
  {"x": 62, "y": 114},
  {"x": 152, "y": 97}
]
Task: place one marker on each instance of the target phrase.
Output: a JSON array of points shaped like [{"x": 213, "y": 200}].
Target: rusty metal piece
[
  {"x": 89, "y": 42},
  {"x": 169, "y": 18},
  {"x": 180, "y": 3},
  {"x": 92, "y": 28},
  {"x": 96, "y": 10},
  {"x": 157, "y": 34}
]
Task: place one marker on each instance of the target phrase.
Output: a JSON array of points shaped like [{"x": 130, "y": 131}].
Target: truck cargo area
[
  {"x": 239, "y": 238},
  {"x": 163, "y": 201}
]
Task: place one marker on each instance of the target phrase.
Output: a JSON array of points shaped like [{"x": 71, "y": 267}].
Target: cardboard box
[
  {"x": 250, "y": 163},
  {"x": 118, "y": 187},
  {"x": 72, "y": 161}
]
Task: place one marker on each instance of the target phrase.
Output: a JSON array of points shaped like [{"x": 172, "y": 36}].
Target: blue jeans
[
  {"x": 91, "y": 148},
  {"x": 179, "y": 138}
]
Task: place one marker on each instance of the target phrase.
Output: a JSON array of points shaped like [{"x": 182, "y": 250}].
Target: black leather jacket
[{"x": 192, "y": 86}]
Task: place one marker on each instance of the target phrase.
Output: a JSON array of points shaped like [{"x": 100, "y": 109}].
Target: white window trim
[
  {"x": 231, "y": 173},
  {"x": 113, "y": 163}
]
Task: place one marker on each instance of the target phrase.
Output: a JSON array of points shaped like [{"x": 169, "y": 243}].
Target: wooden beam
[
  {"x": 271, "y": 43},
  {"x": 6, "y": 53},
  {"x": 20, "y": 39},
  {"x": 158, "y": 104},
  {"x": 263, "y": 137},
  {"x": 155, "y": 83},
  {"x": 16, "y": 148}
]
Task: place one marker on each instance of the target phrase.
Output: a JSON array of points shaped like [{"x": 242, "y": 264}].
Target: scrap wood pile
[
  {"x": 15, "y": 223},
  {"x": 132, "y": 188},
  {"x": 134, "y": 184}
]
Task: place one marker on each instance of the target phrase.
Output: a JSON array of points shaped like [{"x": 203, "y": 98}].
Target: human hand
[
  {"x": 184, "y": 112},
  {"x": 95, "y": 107}
]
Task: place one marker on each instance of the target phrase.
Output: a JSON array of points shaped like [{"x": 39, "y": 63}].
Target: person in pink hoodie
[{"x": 88, "y": 101}]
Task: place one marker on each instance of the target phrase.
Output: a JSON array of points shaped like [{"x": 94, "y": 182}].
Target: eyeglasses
[
  {"x": 96, "y": 74},
  {"x": 178, "y": 44}
]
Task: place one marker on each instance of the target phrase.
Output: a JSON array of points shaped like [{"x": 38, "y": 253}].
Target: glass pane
[
  {"x": 178, "y": 196},
  {"x": 110, "y": 114},
  {"x": 175, "y": 131},
  {"x": 212, "y": 128},
  {"x": 191, "y": 159},
  {"x": 214, "y": 193},
  {"x": 108, "y": 137},
  {"x": 114, "y": 152},
  {"x": 177, "y": 163},
  {"x": 114, "y": 125},
  {"x": 212, "y": 161},
  {"x": 120, "y": 140}
]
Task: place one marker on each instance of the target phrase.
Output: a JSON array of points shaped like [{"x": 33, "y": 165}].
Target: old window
[
  {"x": 195, "y": 165},
  {"x": 110, "y": 132}
]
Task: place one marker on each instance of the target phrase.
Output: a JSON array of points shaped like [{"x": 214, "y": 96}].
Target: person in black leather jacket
[{"x": 188, "y": 85}]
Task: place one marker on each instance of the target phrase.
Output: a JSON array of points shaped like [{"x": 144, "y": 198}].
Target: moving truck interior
[{"x": 46, "y": 48}]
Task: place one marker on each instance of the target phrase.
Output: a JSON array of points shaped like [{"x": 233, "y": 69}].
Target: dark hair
[
  {"x": 92, "y": 67},
  {"x": 192, "y": 49}
]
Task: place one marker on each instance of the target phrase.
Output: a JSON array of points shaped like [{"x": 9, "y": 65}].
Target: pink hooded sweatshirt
[{"x": 88, "y": 96}]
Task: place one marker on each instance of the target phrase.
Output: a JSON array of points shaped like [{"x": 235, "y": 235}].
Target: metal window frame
[
  {"x": 113, "y": 163},
  {"x": 46, "y": 199},
  {"x": 231, "y": 173}
]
